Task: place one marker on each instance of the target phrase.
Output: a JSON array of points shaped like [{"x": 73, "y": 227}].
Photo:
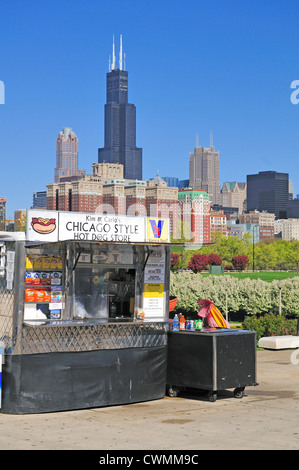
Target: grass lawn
[{"x": 267, "y": 276}]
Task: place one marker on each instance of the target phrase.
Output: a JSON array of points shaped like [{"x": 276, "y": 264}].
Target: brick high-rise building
[
  {"x": 66, "y": 155},
  {"x": 218, "y": 222},
  {"x": 234, "y": 195},
  {"x": 162, "y": 201},
  {"x": 264, "y": 220},
  {"x": 204, "y": 172},
  {"x": 136, "y": 197},
  {"x": 195, "y": 215},
  {"x": 105, "y": 191},
  {"x": 82, "y": 195},
  {"x": 288, "y": 229},
  {"x": 108, "y": 171},
  {"x": 114, "y": 197}
]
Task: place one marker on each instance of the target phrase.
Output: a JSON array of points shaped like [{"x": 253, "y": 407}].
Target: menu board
[{"x": 153, "y": 299}]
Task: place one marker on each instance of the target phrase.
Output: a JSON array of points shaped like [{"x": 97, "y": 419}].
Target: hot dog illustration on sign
[{"x": 43, "y": 226}]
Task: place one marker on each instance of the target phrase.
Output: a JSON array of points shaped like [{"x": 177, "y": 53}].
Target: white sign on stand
[
  {"x": 10, "y": 266},
  {"x": 2, "y": 259},
  {"x": 53, "y": 226},
  {"x": 100, "y": 227},
  {"x": 153, "y": 300},
  {"x": 153, "y": 307}
]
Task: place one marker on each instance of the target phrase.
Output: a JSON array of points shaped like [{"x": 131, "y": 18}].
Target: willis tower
[{"x": 120, "y": 123}]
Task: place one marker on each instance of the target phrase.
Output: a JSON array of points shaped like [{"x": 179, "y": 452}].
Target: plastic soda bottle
[
  {"x": 175, "y": 323},
  {"x": 182, "y": 322}
]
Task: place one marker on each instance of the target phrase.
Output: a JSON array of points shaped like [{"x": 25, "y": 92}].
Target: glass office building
[
  {"x": 268, "y": 191},
  {"x": 39, "y": 199}
]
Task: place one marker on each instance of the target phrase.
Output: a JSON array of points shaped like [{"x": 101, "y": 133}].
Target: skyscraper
[
  {"x": 3, "y": 202},
  {"x": 234, "y": 195},
  {"x": 39, "y": 199},
  {"x": 268, "y": 191},
  {"x": 195, "y": 215},
  {"x": 204, "y": 171},
  {"x": 66, "y": 155},
  {"x": 120, "y": 123}
]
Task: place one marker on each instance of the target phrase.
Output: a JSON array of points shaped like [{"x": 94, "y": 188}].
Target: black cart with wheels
[{"x": 211, "y": 359}]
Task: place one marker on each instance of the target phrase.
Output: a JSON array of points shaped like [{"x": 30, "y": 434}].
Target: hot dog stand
[{"x": 83, "y": 311}]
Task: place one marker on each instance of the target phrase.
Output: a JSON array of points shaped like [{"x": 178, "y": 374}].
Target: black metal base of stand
[
  {"x": 212, "y": 360},
  {"x": 66, "y": 381}
]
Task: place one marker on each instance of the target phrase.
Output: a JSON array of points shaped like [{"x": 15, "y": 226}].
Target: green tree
[
  {"x": 266, "y": 256},
  {"x": 23, "y": 223},
  {"x": 295, "y": 254},
  {"x": 229, "y": 247}
]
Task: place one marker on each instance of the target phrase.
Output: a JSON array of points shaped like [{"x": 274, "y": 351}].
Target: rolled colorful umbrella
[{"x": 213, "y": 315}]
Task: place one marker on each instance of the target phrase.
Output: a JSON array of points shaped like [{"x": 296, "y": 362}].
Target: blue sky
[{"x": 194, "y": 67}]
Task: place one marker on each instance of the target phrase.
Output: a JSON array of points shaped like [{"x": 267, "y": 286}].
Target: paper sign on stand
[{"x": 153, "y": 299}]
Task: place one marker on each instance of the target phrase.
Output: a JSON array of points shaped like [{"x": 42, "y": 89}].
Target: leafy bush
[
  {"x": 198, "y": 263},
  {"x": 243, "y": 296},
  {"x": 214, "y": 260},
  {"x": 270, "y": 325},
  {"x": 240, "y": 262},
  {"x": 175, "y": 261}
]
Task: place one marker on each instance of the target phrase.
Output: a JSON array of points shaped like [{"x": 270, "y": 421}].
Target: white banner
[
  {"x": 52, "y": 226},
  {"x": 100, "y": 227}
]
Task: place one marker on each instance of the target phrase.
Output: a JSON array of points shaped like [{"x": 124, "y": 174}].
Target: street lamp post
[
  {"x": 253, "y": 250},
  {"x": 280, "y": 286},
  {"x": 226, "y": 306},
  {"x": 253, "y": 241}
]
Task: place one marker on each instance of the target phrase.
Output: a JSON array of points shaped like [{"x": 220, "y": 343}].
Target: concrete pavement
[{"x": 267, "y": 417}]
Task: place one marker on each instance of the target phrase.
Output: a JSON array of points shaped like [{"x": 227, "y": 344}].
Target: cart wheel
[
  {"x": 173, "y": 391},
  {"x": 212, "y": 396},
  {"x": 239, "y": 392}
]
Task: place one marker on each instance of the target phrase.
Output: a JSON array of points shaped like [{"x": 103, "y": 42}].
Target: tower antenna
[
  {"x": 211, "y": 138},
  {"x": 197, "y": 140},
  {"x": 121, "y": 53},
  {"x": 113, "y": 56}
]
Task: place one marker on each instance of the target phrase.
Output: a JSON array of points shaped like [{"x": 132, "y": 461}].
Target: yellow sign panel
[
  {"x": 153, "y": 290},
  {"x": 157, "y": 230}
]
